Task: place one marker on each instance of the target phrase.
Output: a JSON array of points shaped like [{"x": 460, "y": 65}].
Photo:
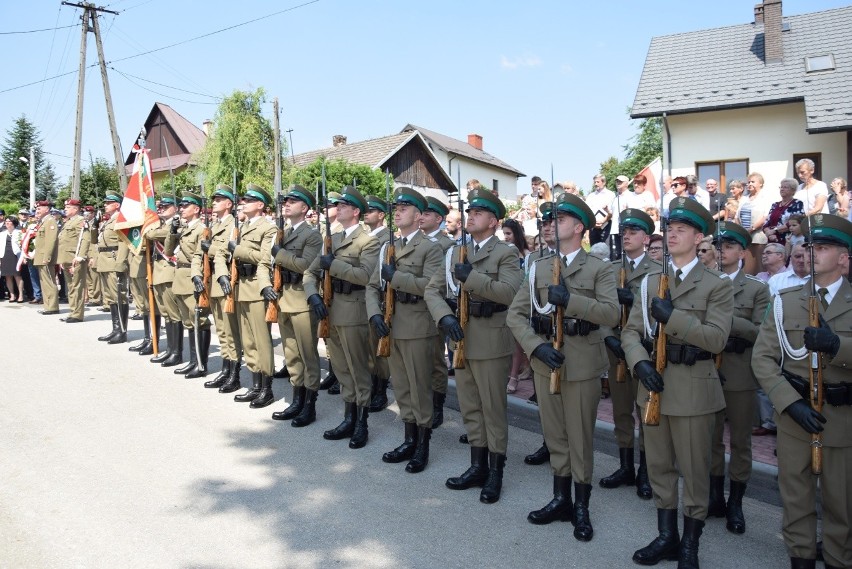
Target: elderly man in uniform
[
  {"x": 351, "y": 262},
  {"x": 782, "y": 335},
  {"x": 74, "y": 241},
  {"x": 587, "y": 295},
  {"x": 112, "y": 270},
  {"x": 751, "y": 298},
  {"x": 47, "y": 243},
  {"x": 374, "y": 219},
  {"x": 300, "y": 246},
  {"x": 696, "y": 312},
  {"x": 636, "y": 228},
  {"x": 490, "y": 275},
  {"x": 411, "y": 328}
]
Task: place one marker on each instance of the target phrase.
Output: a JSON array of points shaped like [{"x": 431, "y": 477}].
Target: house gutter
[{"x": 668, "y": 141}]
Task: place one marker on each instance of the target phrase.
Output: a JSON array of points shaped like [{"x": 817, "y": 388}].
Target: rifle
[
  {"x": 383, "y": 350},
  {"x": 621, "y": 366},
  {"x": 323, "y": 326},
  {"x": 558, "y": 317},
  {"x": 277, "y": 282},
  {"x": 230, "y": 307},
  {"x": 717, "y": 359},
  {"x": 815, "y": 384},
  {"x": 651, "y": 418},
  {"x": 463, "y": 296},
  {"x": 204, "y": 297}
]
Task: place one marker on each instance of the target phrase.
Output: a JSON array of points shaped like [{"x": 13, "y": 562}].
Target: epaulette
[
  {"x": 755, "y": 279},
  {"x": 794, "y": 288}
]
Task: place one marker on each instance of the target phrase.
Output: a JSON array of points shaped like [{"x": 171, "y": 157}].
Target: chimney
[
  {"x": 773, "y": 48},
  {"x": 207, "y": 127},
  {"x": 340, "y": 140},
  {"x": 758, "y": 14},
  {"x": 475, "y": 140}
]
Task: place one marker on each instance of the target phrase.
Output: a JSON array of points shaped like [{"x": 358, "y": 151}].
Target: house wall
[
  {"x": 507, "y": 183},
  {"x": 767, "y": 136}
]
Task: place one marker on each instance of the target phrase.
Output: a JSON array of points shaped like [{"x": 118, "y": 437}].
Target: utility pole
[{"x": 277, "y": 149}]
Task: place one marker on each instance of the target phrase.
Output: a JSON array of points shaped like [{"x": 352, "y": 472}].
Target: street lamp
[{"x": 31, "y": 162}]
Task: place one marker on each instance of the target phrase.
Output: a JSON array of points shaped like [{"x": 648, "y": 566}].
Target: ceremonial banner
[
  {"x": 138, "y": 212},
  {"x": 654, "y": 173}
]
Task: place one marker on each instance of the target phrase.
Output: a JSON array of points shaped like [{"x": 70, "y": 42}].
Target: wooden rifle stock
[
  {"x": 621, "y": 366},
  {"x": 815, "y": 386},
  {"x": 155, "y": 333},
  {"x": 277, "y": 285},
  {"x": 204, "y": 297},
  {"x": 383, "y": 350},
  {"x": 558, "y": 338},
  {"x": 464, "y": 312},
  {"x": 235, "y": 277},
  {"x": 323, "y": 326},
  {"x": 652, "y": 410}
]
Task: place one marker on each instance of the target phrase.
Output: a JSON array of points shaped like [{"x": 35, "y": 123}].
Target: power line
[
  {"x": 49, "y": 58},
  {"x": 127, "y": 75},
  {"x": 163, "y": 94},
  {"x": 36, "y": 31}
]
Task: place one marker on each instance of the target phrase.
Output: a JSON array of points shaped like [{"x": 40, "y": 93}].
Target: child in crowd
[{"x": 794, "y": 224}]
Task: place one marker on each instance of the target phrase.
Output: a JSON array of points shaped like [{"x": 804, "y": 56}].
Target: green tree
[
  {"x": 95, "y": 181},
  {"x": 339, "y": 173},
  {"x": 15, "y": 184},
  {"x": 642, "y": 149}
]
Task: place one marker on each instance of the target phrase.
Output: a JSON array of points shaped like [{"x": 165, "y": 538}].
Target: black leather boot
[
  {"x": 494, "y": 482},
  {"x": 295, "y": 406},
  {"x": 334, "y": 386},
  {"x": 193, "y": 355},
  {"x": 146, "y": 340},
  {"x": 120, "y": 337},
  {"x": 176, "y": 356},
  {"x": 252, "y": 393},
  {"x": 220, "y": 379},
  {"x": 421, "y": 456},
  {"x": 282, "y": 373},
  {"x": 799, "y": 563},
  {"x": 475, "y": 475},
  {"x": 438, "y": 409},
  {"x": 625, "y": 475},
  {"x": 329, "y": 380},
  {"x": 406, "y": 450},
  {"x": 560, "y": 509},
  {"x": 232, "y": 382},
  {"x": 163, "y": 355},
  {"x": 736, "y": 519},
  {"x": 583, "y": 530},
  {"x": 346, "y": 427},
  {"x": 540, "y": 456},
  {"x": 265, "y": 396},
  {"x": 716, "y": 506},
  {"x": 116, "y": 327},
  {"x": 380, "y": 398},
  {"x": 361, "y": 432},
  {"x": 148, "y": 349},
  {"x": 688, "y": 558},
  {"x": 666, "y": 546},
  {"x": 309, "y": 410},
  {"x": 203, "y": 351},
  {"x": 643, "y": 484}
]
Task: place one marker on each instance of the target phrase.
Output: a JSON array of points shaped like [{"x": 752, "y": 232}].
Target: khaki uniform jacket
[
  {"x": 496, "y": 276},
  {"x": 220, "y": 233},
  {"x": 356, "y": 257},
  {"x": 703, "y": 303},
  {"x": 299, "y": 249},
  {"x": 416, "y": 264},
  {"x": 767, "y": 358},
  {"x": 383, "y": 236},
  {"x": 647, "y": 266},
  {"x": 751, "y": 297},
  {"x": 592, "y": 298},
  {"x": 443, "y": 240},
  {"x": 112, "y": 261},
  {"x": 164, "y": 270},
  {"x": 47, "y": 242},
  {"x": 137, "y": 263},
  {"x": 183, "y": 245},
  {"x": 335, "y": 228},
  {"x": 255, "y": 248},
  {"x": 70, "y": 236}
]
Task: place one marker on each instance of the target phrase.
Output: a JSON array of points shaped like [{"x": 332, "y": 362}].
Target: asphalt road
[{"x": 110, "y": 461}]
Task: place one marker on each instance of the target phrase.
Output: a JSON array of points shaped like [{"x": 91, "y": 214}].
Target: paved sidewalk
[{"x": 110, "y": 461}]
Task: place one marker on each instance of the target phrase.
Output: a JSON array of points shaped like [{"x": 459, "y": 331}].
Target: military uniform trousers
[
  {"x": 49, "y": 290},
  {"x": 378, "y": 366},
  {"x": 139, "y": 289},
  {"x": 186, "y": 304},
  {"x": 110, "y": 287},
  {"x": 682, "y": 442},
  {"x": 166, "y": 303},
  {"x": 439, "y": 366},
  {"x": 227, "y": 328},
  {"x": 481, "y": 389},
  {"x": 75, "y": 283},
  {"x": 93, "y": 286},
  {"x": 740, "y": 408},
  {"x": 351, "y": 362},
  {"x": 299, "y": 338},
  {"x": 256, "y": 337},
  {"x": 568, "y": 424},
  {"x": 623, "y": 397},
  {"x": 410, "y": 364}
]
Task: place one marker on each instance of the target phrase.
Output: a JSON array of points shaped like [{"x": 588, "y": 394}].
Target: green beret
[
  {"x": 828, "y": 228},
  {"x": 411, "y": 197},
  {"x": 636, "y": 219},
  {"x": 353, "y": 197},
  {"x": 225, "y": 191},
  {"x": 436, "y": 205},
  {"x": 730, "y": 231},
  {"x": 112, "y": 197},
  {"x": 256, "y": 193},
  {"x": 191, "y": 198},
  {"x": 575, "y": 207},
  {"x": 484, "y": 199},
  {"x": 374, "y": 202},
  {"x": 297, "y": 192},
  {"x": 690, "y": 212}
]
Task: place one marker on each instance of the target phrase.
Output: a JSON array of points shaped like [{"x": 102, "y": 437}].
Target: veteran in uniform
[
  {"x": 751, "y": 298},
  {"x": 351, "y": 263},
  {"x": 780, "y": 339},
  {"x": 74, "y": 241},
  {"x": 112, "y": 270},
  {"x": 696, "y": 313},
  {"x": 587, "y": 295},
  {"x": 374, "y": 220},
  {"x": 46, "y": 248},
  {"x": 297, "y": 322},
  {"x": 490, "y": 276},
  {"x": 411, "y": 328},
  {"x": 165, "y": 302},
  {"x": 636, "y": 228}
]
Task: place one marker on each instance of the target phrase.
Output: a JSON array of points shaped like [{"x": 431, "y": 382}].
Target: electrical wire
[
  {"x": 36, "y": 31},
  {"x": 127, "y": 75},
  {"x": 49, "y": 58},
  {"x": 163, "y": 94}
]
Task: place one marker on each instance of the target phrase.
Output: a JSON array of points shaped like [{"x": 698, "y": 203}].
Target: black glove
[
  {"x": 450, "y": 326},
  {"x": 614, "y": 345},
  {"x": 558, "y": 295},
  {"x": 268, "y": 293},
  {"x": 318, "y": 306},
  {"x": 378, "y": 323},
  {"x": 175, "y": 225},
  {"x": 198, "y": 282},
  {"x": 805, "y": 416},
  {"x": 552, "y": 357},
  {"x": 662, "y": 308},
  {"x": 625, "y": 296},
  {"x": 225, "y": 284},
  {"x": 231, "y": 246},
  {"x": 822, "y": 339},
  {"x": 452, "y": 303},
  {"x": 645, "y": 372},
  {"x": 205, "y": 245},
  {"x": 462, "y": 270},
  {"x": 388, "y": 272},
  {"x": 325, "y": 261},
  {"x": 275, "y": 248}
]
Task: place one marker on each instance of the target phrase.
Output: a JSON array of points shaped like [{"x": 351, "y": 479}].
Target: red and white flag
[
  {"x": 654, "y": 173},
  {"x": 138, "y": 213}
]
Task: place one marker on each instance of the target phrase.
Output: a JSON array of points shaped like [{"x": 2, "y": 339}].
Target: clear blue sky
[{"x": 542, "y": 82}]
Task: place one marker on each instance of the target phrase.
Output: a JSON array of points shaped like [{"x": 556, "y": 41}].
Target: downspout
[
  {"x": 668, "y": 141},
  {"x": 450, "y": 166}
]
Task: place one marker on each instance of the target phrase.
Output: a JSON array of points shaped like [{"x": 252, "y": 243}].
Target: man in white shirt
[
  {"x": 598, "y": 200},
  {"x": 696, "y": 192},
  {"x": 798, "y": 274},
  {"x": 623, "y": 200}
]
